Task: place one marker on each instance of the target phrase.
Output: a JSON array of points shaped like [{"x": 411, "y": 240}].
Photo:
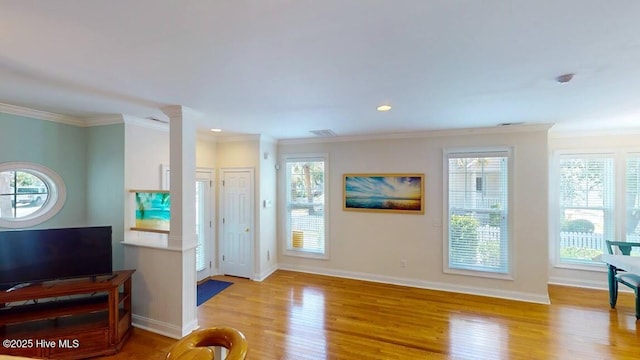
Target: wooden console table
[{"x": 92, "y": 319}]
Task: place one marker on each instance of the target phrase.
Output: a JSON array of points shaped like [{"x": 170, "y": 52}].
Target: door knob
[{"x": 246, "y": 230}]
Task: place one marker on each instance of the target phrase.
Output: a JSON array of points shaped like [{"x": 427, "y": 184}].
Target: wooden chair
[
  {"x": 630, "y": 280},
  {"x": 199, "y": 345}
]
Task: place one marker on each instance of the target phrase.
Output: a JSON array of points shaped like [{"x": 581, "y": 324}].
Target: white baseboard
[
  {"x": 265, "y": 274},
  {"x": 581, "y": 283},
  {"x": 495, "y": 293},
  {"x": 587, "y": 284},
  {"x": 163, "y": 328}
]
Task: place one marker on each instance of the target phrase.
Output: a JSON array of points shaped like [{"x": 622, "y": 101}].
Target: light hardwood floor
[{"x": 301, "y": 316}]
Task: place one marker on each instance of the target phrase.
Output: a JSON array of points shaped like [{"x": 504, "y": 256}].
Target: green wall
[
  {"x": 105, "y": 183},
  {"x": 60, "y": 147},
  {"x": 90, "y": 162}
]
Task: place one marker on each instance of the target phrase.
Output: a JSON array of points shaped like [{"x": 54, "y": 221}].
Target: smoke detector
[{"x": 564, "y": 78}]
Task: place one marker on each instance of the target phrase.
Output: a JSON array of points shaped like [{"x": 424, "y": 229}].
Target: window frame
[
  {"x": 286, "y": 238},
  {"x": 509, "y": 153},
  {"x": 619, "y": 183},
  {"x": 56, "y": 199},
  {"x": 624, "y": 207}
]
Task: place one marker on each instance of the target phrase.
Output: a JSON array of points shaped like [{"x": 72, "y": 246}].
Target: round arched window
[{"x": 29, "y": 194}]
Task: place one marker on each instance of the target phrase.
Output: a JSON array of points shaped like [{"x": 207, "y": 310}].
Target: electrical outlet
[{"x": 403, "y": 263}]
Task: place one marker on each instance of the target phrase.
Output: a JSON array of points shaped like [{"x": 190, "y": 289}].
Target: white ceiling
[{"x": 286, "y": 67}]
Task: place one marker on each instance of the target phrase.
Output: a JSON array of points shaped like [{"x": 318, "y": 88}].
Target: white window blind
[
  {"x": 587, "y": 193},
  {"x": 633, "y": 198},
  {"x": 305, "y": 201},
  {"x": 478, "y": 198}
]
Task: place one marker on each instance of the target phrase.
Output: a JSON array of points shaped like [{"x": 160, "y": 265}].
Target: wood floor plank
[{"x": 297, "y": 316}]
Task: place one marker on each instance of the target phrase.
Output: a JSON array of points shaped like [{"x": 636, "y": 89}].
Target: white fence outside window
[{"x": 567, "y": 239}]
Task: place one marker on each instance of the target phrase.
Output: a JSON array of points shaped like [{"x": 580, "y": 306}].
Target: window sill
[
  {"x": 305, "y": 254},
  {"x": 482, "y": 274},
  {"x": 595, "y": 267}
]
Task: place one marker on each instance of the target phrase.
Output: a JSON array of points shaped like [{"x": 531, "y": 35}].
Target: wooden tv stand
[{"x": 92, "y": 319}]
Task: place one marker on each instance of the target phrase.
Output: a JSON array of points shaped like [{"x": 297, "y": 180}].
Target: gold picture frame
[{"x": 390, "y": 193}]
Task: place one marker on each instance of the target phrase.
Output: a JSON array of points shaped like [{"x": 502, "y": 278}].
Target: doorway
[
  {"x": 236, "y": 250},
  {"x": 205, "y": 246},
  {"x": 204, "y": 226}
]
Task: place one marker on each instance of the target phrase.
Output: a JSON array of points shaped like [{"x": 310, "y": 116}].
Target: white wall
[
  {"x": 267, "y": 246},
  {"x": 206, "y": 152},
  {"x": 206, "y": 155},
  {"x": 239, "y": 152},
  {"x": 242, "y": 152},
  {"x": 595, "y": 277},
  {"x": 156, "y": 280},
  {"x": 363, "y": 245},
  {"x": 371, "y": 246},
  {"x": 146, "y": 149},
  {"x": 158, "y": 269}
]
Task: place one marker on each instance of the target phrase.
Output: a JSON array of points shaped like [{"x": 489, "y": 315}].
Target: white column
[{"x": 182, "y": 235}]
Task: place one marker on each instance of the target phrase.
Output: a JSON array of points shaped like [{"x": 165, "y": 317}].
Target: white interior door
[{"x": 237, "y": 223}]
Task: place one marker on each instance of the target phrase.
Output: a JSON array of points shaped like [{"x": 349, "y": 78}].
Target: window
[
  {"x": 201, "y": 219},
  {"x": 306, "y": 194},
  {"x": 29, "y": 194},
  {"x": 591, "y": 190},
  {"x": 477, "y": 236},
  {"x": 586, "y": 197},
  {"x": 632, "y": 200},
  {"x": 479, "y": 183}
]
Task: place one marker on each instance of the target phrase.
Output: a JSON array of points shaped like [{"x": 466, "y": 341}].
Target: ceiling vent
[{"x": 323, "y": 133}]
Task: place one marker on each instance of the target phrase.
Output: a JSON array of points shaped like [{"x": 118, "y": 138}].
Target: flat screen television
[{"x": 30, "y": 256}]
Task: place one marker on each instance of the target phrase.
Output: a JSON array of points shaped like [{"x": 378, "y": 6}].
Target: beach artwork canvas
[
  {"x": 152, "y": 210},
  {"x": 384, "y": 193}
]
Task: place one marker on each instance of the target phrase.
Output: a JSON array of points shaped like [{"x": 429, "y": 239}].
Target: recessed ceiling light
[
  {"x": 384, "y": 108},
  {"x": 216, "y": 130}
]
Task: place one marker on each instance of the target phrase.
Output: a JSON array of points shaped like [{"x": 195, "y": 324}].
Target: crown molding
[
  {"x": 568, "y": 133},
  {"x": 182, "y": 112},
  {"x": 424, "y": 134},
  {"x": 207, "y": 136},
  {"x": 226, "y": 138},
  {"x": 236, "y": 138},
  {"x": 103, "y": 120},
  {"x": 146, "y": 123},
  {"x": 268, "y": 139},
  {"x": 41, "y": 115}
]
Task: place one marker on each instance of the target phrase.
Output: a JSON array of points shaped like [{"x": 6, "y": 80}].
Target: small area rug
[{"x": 209, "y": 289}]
